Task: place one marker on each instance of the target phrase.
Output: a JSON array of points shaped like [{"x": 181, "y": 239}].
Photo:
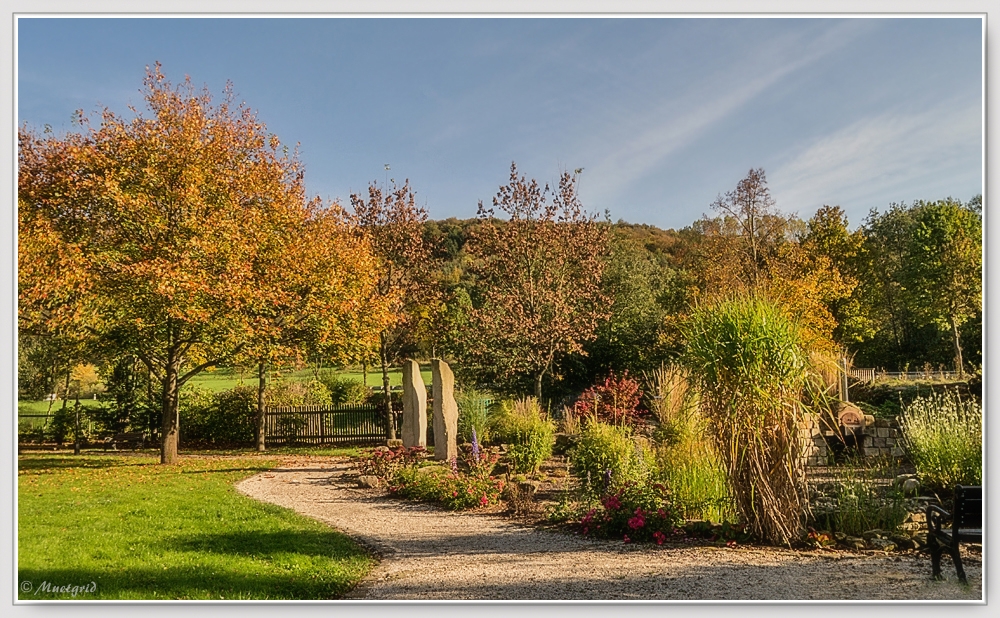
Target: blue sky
[{"x": 662, "y": 114}]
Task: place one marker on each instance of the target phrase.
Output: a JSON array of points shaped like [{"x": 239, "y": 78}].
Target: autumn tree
[
  {"x": 168, "y": 213},
  {"x": 404, "y": 266},
  {"x": 325, "y": 307},
  {"x": 537, "y": 276},
  {"x": 943, "y": 270},
  {"x": 753, "y": 210}
]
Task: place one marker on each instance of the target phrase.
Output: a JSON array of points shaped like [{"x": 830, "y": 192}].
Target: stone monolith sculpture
[
  {"x": 414, "y": 406},
  {"x": 445, "y": 411}
]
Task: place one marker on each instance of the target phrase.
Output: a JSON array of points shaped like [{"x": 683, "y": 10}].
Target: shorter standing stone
[
  {"x": 414, "y": 406},
  {"x": 445, "y": 411}
]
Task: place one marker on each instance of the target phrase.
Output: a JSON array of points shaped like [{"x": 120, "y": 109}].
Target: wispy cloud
[
  {"x": 669, "y": 125},
  {"x": 869, "y": 160}
]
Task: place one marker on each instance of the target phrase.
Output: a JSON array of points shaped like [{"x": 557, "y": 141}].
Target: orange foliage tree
[
  {"x": 174, "y": 217},
  {"x": 404, "y": 269}
]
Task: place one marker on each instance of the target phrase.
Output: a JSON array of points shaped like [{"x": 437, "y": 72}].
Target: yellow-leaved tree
[{"x": 183, "y": 227}]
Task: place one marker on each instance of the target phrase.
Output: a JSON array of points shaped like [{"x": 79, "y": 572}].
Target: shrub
[
  {"x": 345, "y": 391},
  {"x": 615, "y": 400},
  {"x": 452, "y": 490},
  {"x": 386, "y": 463},
  {"x": 473, "y": 414},
  {"x": 605, "y": 458},
  {"x": 283, "y": 392},
  {"x": 634, "y": 512},
  {"x": 462, "y": 487},
  {"x": 226, "y": 417},
  {"x": 531, "y": 436},
  {"x": 749, "y": 361},
  {"x": 943, "y": 435}
]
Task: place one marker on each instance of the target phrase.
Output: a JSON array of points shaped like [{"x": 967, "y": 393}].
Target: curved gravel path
[{"x": 429, "y": 553}]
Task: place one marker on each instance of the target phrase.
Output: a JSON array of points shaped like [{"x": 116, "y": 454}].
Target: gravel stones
[{"x": 430, "y": 553}]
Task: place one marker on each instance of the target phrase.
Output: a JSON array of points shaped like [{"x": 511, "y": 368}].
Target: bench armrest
[{"x": 935, "y": 515}]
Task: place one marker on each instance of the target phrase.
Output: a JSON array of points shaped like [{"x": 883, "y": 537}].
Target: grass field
[
  {"x": 133, "y": 529},
  {"x": 225, "y": 378}
]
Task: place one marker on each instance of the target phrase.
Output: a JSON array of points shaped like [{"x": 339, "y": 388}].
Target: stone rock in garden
[
  {"x": 414, "y": 406},
  {"x": 840, "y": 537},
  {"x": 902, "y": 541},
  {"x": 910, "y": 486},
  {"x": 854, "y": 542},
  {"x": 883, "y": 544},
  {"x": 445, "y": 411},
  {"x": 868, "y": 535},
  {"x": 393, "y": 444},
  {"x": 369, "y": 481}
]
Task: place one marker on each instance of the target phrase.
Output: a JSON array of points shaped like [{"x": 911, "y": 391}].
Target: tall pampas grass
[{"x": 747, "y": 357}]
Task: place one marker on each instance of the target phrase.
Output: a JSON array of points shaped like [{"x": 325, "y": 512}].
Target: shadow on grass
[
  {"x": 267, "y": 545},
  {"x": 180, "y": 583},
  {"x": 65, "y": 462}
]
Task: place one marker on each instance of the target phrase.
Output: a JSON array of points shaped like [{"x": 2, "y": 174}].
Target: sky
[{"x": 662, "y": 114}]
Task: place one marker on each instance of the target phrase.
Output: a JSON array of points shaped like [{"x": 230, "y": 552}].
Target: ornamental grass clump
[
  {"x": 748, "y": 360},
  {"x": 686, "y": 456},
  {"x": 943, "y": 436},
  {"x": 523, "y": 426}
]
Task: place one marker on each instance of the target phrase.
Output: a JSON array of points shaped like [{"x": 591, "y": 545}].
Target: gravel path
[{"x": 429, "y": 553}]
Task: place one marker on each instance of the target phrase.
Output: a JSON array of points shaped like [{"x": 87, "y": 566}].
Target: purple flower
[
  {"x": 475, "y": 446},
  {"x": 607, "y": 479}
]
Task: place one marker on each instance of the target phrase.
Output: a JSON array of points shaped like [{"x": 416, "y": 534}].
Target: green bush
[
  {"x": 453, "y": 490},
  {"x": 284, "y": 393},
  {"x": 606, "y": 458},
  {"x": 530, "y": 435},
  {"x": 943, "y": 435},
  {"x": 226, "y": 417},
  {"x": 345, "y": 391}
]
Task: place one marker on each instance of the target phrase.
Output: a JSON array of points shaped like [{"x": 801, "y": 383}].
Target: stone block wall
[
  {"x": 815, "y": 451},
  {"x": 881, "y": 440}
]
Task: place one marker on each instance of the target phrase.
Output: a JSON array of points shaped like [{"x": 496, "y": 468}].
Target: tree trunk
[
  {"x": 261, "y": 386},
  {"x": 171, "y": 426},
  {"x": 62, "y": 411},
  {"x": 390, "y": 427},
  {"x": 959, "y": 364},
  {"x": 76, "y": 425},
  {"x": 538, "y": 385}
]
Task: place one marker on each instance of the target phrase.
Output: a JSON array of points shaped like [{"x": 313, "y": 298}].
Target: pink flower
[
  {"x": 660, "y": 537},
  {"x": 636, "y": 522},
  {"x": 626, "y": 539},
  {"x": 484, "y": 500}
]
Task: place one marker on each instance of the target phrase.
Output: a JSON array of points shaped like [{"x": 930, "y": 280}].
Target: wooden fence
[
  {"x": 352, "y": 424},
  {"x": 876, "y": 375}
]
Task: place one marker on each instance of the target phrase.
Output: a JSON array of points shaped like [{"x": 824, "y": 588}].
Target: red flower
[{"x": 626, "y": 539}]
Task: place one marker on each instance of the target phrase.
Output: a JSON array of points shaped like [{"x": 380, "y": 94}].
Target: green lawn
[
  {"x": 226, "y": 378},
  {"x": 42, "y": 407},
  {"x": 140, "y": 530}
]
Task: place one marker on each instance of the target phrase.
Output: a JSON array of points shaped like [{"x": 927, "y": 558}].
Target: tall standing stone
[
  {"x": 414, "y": 406},
  {"x": 445, "y": 411}
]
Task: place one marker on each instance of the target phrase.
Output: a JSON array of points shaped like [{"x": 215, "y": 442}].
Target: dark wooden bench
[
  {"x": 966, "y": 527},
  {"x": 135, "y": 438}
]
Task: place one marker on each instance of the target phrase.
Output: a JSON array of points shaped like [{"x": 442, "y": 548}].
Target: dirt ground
[{"x": 428, "y": 553}]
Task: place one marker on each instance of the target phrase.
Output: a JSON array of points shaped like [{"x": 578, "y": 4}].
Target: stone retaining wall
[{"x": 881, "y": 440}]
